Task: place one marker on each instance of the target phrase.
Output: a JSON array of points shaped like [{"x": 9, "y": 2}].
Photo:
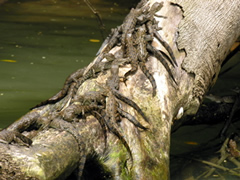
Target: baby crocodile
[
  {"x": 8, "y": 137},
  {"x": 143, "y": 55}
]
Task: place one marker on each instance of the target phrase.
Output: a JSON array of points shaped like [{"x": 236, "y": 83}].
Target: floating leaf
[
  {"x": 94, "y": 40},
  {"x": 8, "y": 60},
  {"x": 191, "y": 143}
]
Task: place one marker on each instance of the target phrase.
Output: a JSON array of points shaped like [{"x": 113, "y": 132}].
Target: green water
[{"x": 48, "y": 40}]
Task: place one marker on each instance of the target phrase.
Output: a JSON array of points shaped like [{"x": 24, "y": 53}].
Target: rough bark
[{"x": 200, "y": 34}]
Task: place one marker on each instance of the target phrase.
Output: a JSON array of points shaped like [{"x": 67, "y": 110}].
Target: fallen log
[{"x": 82, "y": 121}]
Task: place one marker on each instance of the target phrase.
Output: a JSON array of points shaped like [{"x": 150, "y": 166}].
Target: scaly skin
[
  {"x": 149, "y": 16},
  {"x": 141, "y": 43},
  {"x": 98, "y": 115},
  {"x": 152, "y": 29},
  {"x": 107, "y": 41},
  {"x": 112, "y": 83},
  {"x": 128, "y": 27},
  {"x": 113, "y": 79},
  {"x": 75, "y": 109},
  {"x": 113, "y": 40},
  {"x": 149, "y": 76},
  {"x": 8, "y": 137},
  {"x": 93, "y": 97},
  {"x": 159, "y": 57},
  {"x": 127, "y": 38},
  {"x": 111, "y": 107},
  {"x": 130, "y": 103},
  {"x": 167, "y": 47},
  {"x": 110, "y": 119},
  {"x": 129, "y": 24},
  {"x": 132, "y": 54},
  {"x": 74, "y": 81},
  {"x": 143, "y": 55},
  {"x": 131, "y": 118},
  {"x": 95, "y": 103}
]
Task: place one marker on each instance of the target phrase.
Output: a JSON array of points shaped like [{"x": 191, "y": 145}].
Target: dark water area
[{"x": 43, "y": 41}]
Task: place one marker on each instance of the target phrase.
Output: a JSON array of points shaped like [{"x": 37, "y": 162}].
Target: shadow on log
[{"x": 119, "y": 110}]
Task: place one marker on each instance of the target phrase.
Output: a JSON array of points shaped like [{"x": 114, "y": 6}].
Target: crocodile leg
[
  {"x": 131, "y": 118},
  {"x": 7, "y": 137},
  {"x": 130, "y": 103},
  {"x": 149, "y": 76},
  {"x": 143, "y": 55},
  {"x": 167, "y": 47},
  {"x": 110, "y": 124},
  {"x": 159, "y": 56},
  {"x": 101, "y": 121}
]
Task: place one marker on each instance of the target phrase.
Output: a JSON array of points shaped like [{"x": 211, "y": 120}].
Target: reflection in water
[{"x": 41, "y": 43}]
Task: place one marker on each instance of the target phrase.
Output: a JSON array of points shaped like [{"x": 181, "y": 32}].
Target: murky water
[{"x": 42, "y": 42}]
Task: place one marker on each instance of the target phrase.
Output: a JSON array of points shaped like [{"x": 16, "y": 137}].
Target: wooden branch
[
  {"x": 206, "y": 34},
  {"x": 203, "y": 33},
  {"x": 54, "y": 153}
]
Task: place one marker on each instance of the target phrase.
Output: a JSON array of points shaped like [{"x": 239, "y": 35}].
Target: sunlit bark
[{"x": 200, "y": 35}]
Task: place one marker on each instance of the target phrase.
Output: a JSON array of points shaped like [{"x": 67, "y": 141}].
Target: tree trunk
[{"x": 200, "y": 35}]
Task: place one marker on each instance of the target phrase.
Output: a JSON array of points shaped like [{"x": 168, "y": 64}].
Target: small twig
[
  {"x": 221, "y": 177},
  {"x": 223, "y": 157},
  {"x": 95, "y": 12},
  {"x": 233, "y": 111},
  {"x": 234, "y": 161},
  {"x": 220, "y": 167}
]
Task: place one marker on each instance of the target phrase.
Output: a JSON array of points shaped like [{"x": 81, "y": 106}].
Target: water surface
[{"x": 42, "y": 42}]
